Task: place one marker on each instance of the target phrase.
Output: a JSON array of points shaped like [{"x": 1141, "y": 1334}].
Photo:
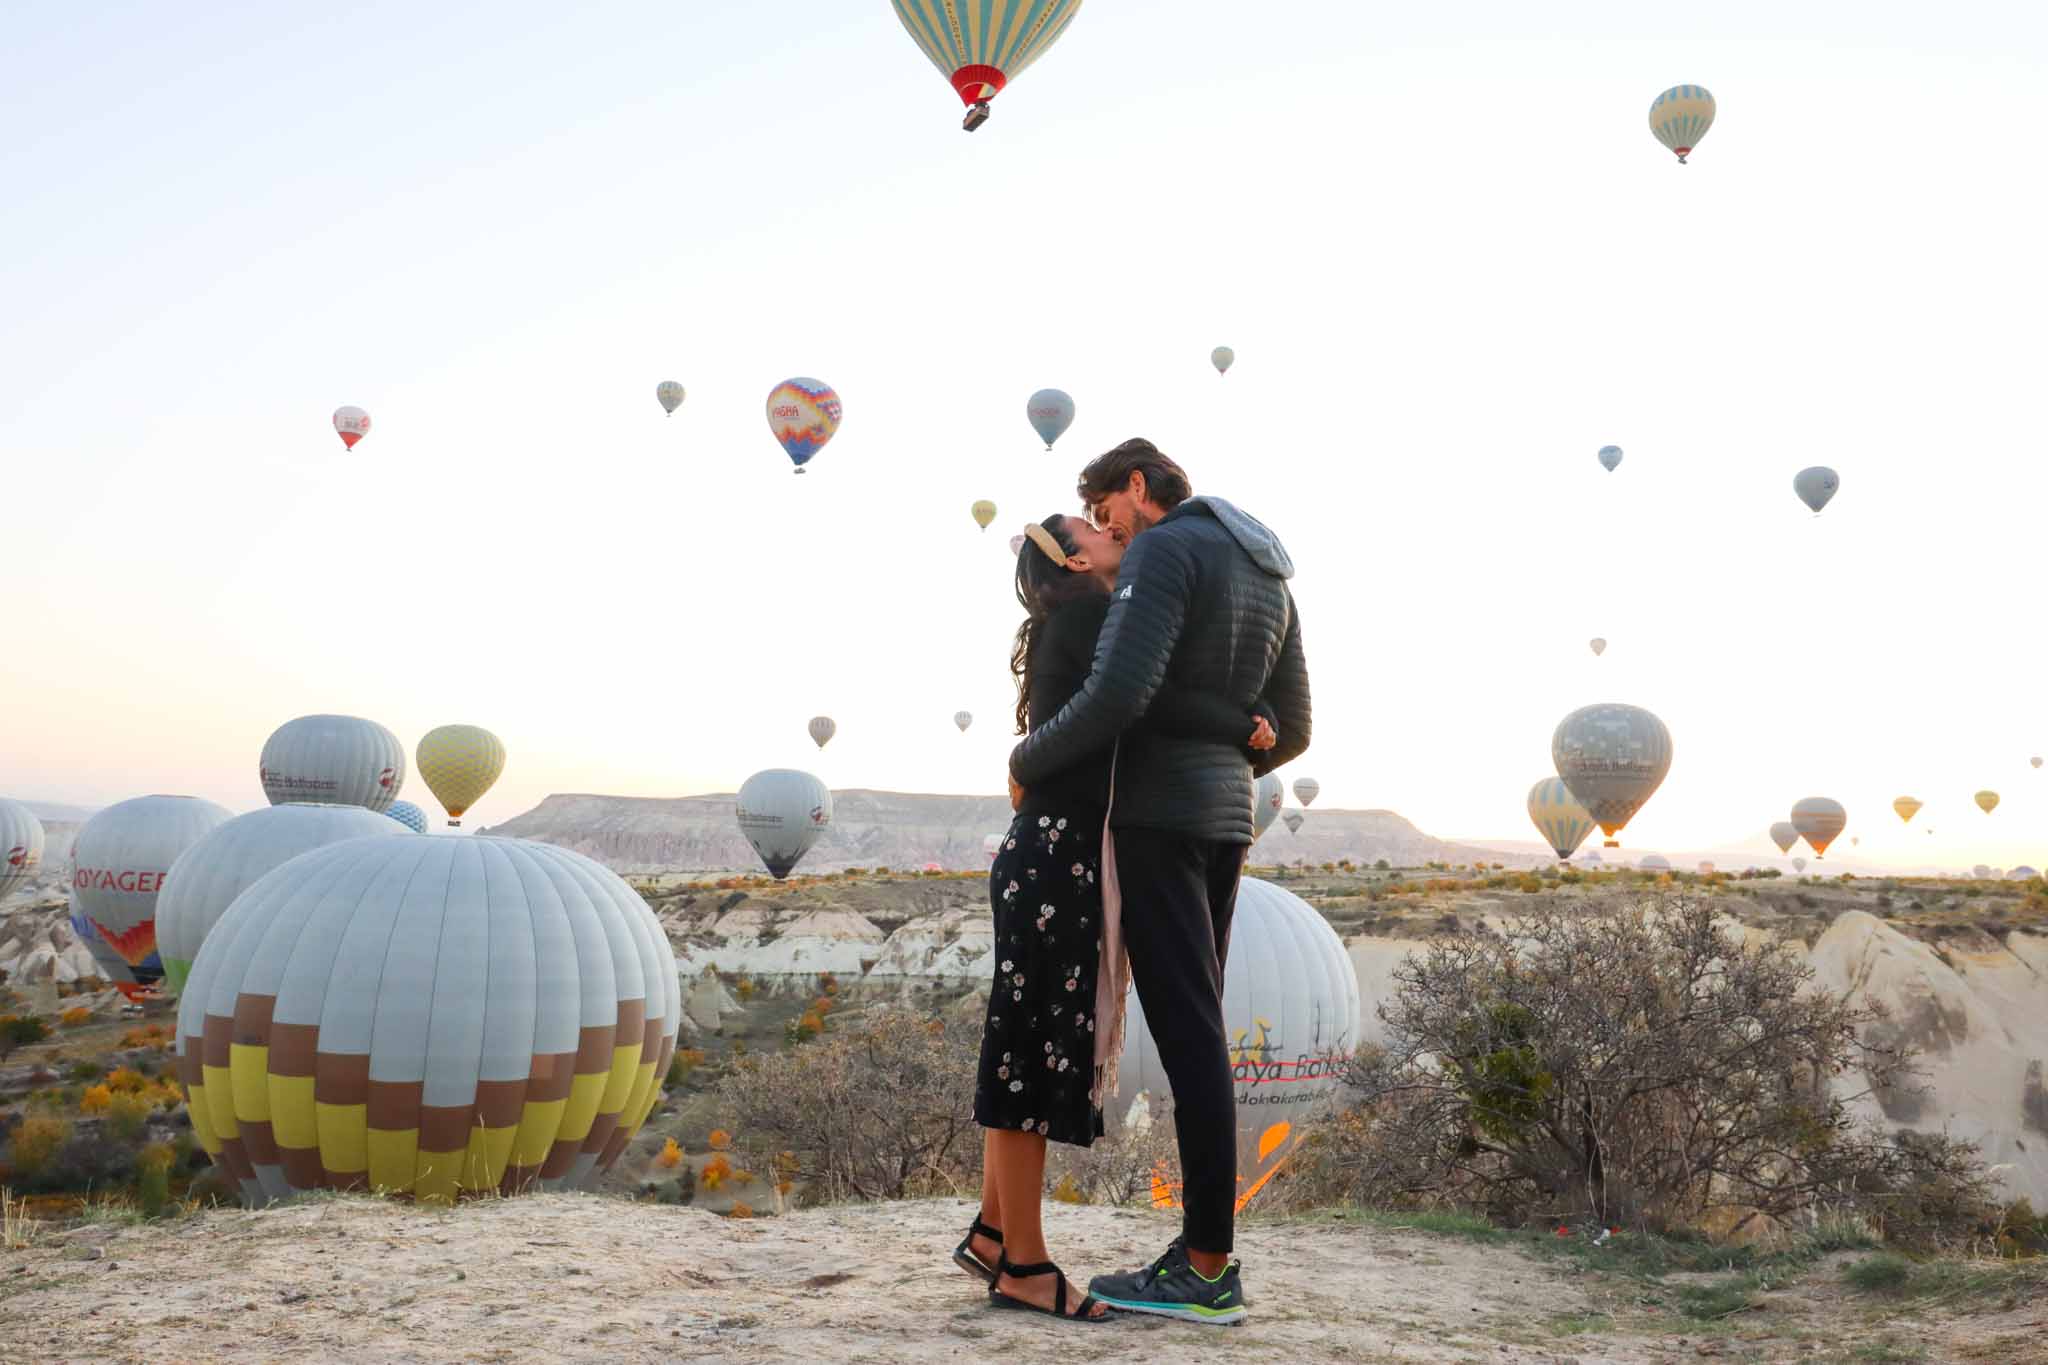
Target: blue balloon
[
  {"x": 1051, "y": 413},
  {"x": 409, "y": 815}
]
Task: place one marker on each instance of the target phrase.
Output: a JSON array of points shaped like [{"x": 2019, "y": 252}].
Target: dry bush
[
  {"x": 75, "y": 1017},
  {"x": 1638, "y": 1065},
  {"x": 19, "y": 1030},
  {"x": 96, "y": 1100},
  {"x": 1119, "y": 1167},
  {"x": 879, "y": 1108},
  {"x": 126, "y": 1079},
  {"x": 670, "y": 1156},
  {"x": 36, "y": 1141}
]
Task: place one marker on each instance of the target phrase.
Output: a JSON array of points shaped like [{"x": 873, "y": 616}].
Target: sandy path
[{"x": 583, "y": 1278}]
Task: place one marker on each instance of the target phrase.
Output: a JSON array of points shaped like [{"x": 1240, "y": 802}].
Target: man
[{"x": 1202, "y": 600}]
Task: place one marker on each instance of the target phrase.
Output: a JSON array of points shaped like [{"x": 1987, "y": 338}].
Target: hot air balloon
[
  {"x": 1267, "y": 799},
  {"x": 1306, "y": 790},
  {"x": 1799, "y": 864},
  {"x": 1681, "y": 116},
  {"x": 963, "y": 719},
  {"x": 984, "y": 512},
  {"x": 1051, "y": 412},
  {"x": 1597, "y": 645},
  {"x": 1815, "y": 486},
  {"x": 1784, "y": 835},
  {"x": 803, "y": 414},
  {"x": 1981, "y": 871},
  {"x": 21, "y": 845},
  {"x": 1653, "y": 862},
  {"x": 1613, "y": 757},
  {"x": 980, "y": 46},
  {"x": 782, "y": 812},
  {"x": 1706, "y": 869},
  {"x": 1223, "y": 358},
  {"x": 334, "y": 761},
  {"x": 409, "y": 815},
  {"x": 1987, "y": 801},
  {"x": 229, "y": 858},
  {"x": 1290, "y": 1010},
  {"x": 118, "y": 862},
  {"x": 822, "y": 729},
  {"x": 1016, "y": 545},
  {"x": 992, "y": 844},
  {"x": 2035, "y": 761},
  {"x": 1562, "y": 821},
  {"x": 1907, "y": 808},
  {"x": 427, "y": 1017},
  {"x": 2022, "y": 873},
  {"x": 669, "y": 394},
  {"x": 1610, "y": 456},
  {"x": 1819, "y": 821},
  {"x": 352, "y": 424},
  {"x": 1292, "y": 819},
  {"x": 459, "y": 763},
  {"x": 1854, "y": 841}
]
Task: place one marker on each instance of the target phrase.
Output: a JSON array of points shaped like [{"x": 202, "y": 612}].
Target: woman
[{"x": 1038, "y": 1079}]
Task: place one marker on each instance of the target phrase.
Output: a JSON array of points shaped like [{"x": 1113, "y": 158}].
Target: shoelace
[{"x": 1158, "y": 1267}]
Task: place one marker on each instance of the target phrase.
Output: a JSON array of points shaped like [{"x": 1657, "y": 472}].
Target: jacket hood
[{"x": 1251, "y": 534}]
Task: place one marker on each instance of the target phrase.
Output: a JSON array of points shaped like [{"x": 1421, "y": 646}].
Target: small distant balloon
[
  {"x": 1819, "y": 821},
  {"x": 1784, "y": 835},
  {"x": 1598, "y": 646},
  {"x": 1799, "y": 864},
  {"x": 1292, "y": 819},
  {"x": 409, "y": 815},
  {"x": 1306, "y": 790},
  {"x": 1681, "y": 116},
  {"x": 1016, "y": 545},
  {"x": 803, "y": 414},
  {"x": 459, "y": 763},
  {"x": 963, "y": 719},
  {"x": 1907, "y": 808},
  {"x": 1268, "y": 795},
  {"x": 1816, "y": 486},
  {"x": 1854, "y": 841},
  {"x": 669, "y": 394},
  {"x": 1558, "y": 816},
  {"x": 352, "y": 423},
  {"x": 1223, "y": 358},
  {"x": 822, "y": 729},
  {"x": 1610, "y": 456},
  {"x": 1987, "y": 801},
  {"x": 2036, "y": 761},
  {"x": 984, "y": 512},
  {"x": 1051, "y": 412}
]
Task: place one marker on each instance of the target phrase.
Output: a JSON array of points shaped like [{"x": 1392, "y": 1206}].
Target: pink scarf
[{"x": 1113, "y": 972}]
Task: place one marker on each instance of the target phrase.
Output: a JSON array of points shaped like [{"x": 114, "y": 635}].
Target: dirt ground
[{"x": 584, "y": 1278}]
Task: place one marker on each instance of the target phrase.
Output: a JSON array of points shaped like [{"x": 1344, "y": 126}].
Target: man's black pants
[{"x": 1178, "y": 896}]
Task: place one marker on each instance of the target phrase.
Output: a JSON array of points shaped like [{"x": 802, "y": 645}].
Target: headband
[{"x": 1042, "y": 538}]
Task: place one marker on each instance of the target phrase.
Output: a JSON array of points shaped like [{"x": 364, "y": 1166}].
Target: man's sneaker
[{"x": 1172, "y": 1288}]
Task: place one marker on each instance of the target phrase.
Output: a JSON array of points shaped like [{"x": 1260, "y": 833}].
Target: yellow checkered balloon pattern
[{"x": 459, "y": 763}]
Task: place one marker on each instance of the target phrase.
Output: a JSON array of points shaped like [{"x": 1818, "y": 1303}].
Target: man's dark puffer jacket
[{"x": 1202, "y": 600}]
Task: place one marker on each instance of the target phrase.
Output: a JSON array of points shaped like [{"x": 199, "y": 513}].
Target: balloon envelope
[
  {"x": 118, "y": 864},
  {"x": 334, "y": 761},
  {"x": 1051, "y": 412},
  {"x": 1799, "y": 864},
  {"x": 1562, "y": 821},
  {"x": 1654, "y": 862},
  {"x": 1819, "y": 820},
  {"x": 409, "y": 815},
  {"x": 459, "y": 763},
  {"x": 229, "y": 858},
  {"x": 1597, "y": 645},
  {"x": 1290, "y": 1011},
  {"x": 1907, "y": 808},
  {"x": 1267, "y": 799},
  {"x": 983, "y": 512},
  {"x": 352, "y": 424},
  {"x": 428, "y": 1017},
  {"x": 1816, "y": 486},
  {"x": 1292, "y": 819},
  {"x": 1223, "y": 358},
  {"x": 963, "y": 719},
  {"x": 822, "y": 729},
  {"x": 803, "y": 414},
  {"x": 1306, "y": 790},
  {"x": 1681, "y": 116},
  {"x": 782, "y": 812},
  {"x": 669, "y": 394},
  {"x": 1784, "y": 835},
  {"x": 1987, "y": 801},
  {"x": 980, "y": 46},
  {"x": 2035, "y": 761},
  {"x": 1981, "y": 871},
  {"x": 1613, "y": 757},
  {"x": 1610, "y": 456},
  {"x": 21, "y": 845}
]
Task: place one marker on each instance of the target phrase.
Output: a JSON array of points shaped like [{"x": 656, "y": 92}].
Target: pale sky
[{"x": 1450, "y": 256}]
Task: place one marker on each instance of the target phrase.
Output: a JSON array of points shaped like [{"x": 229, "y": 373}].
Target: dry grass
[{"x": 18, "y": 1231}]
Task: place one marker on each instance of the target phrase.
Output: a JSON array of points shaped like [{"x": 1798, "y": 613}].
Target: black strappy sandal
[
  {"x": 964, "y": 1257},
  {"x": 1059, "y": 1298}
]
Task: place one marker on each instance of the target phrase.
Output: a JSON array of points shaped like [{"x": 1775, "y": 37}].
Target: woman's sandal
[
  {"x": 964, "y": 1257},
  {"x": 1059, "y": 1298}
]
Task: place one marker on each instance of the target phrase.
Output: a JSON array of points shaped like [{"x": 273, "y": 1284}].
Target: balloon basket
[{"x": 977, "y": 114}]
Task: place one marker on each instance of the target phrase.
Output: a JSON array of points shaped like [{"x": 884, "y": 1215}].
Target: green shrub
[
  {"x": 19, "y": 1030},
  {"x": 1884, "y": 1273},
  {"x": 36, "y": 1140}
]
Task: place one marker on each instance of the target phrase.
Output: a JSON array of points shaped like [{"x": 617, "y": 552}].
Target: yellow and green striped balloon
[
  {"x": 1681, "y": 116},
  {"x": 459, "y": 763},
  {"x": 425, "y": 1016},
  {"x": 1563, "y": 822}
]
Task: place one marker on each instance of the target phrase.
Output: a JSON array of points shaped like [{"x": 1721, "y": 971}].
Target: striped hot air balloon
[
  {"x": 21, "y": 845},
  {"x": 1562, "y": 821},
  {"x": 980, "y": 46},
  {"x": 1681, "y": 116},
  {"x": 428, "y": 1017}
]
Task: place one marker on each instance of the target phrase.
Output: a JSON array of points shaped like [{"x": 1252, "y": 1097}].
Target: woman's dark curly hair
[{"x": 1042, "y": 588}]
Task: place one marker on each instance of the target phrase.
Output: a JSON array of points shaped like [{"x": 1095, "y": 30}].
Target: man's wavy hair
[{"x": 1166, "y": 483}]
